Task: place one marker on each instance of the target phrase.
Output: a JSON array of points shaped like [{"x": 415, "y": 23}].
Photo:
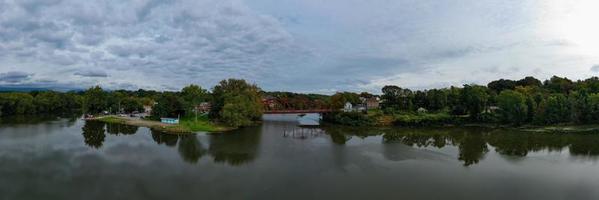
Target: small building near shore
[
  {"x": 372, "y": 103},
  {"x": 491, "y": 109},
  {"x": 348, "y": 107},
  {"x": 147, "y": 109},
  {"x": 169, "y": 120},
  {"x": 204, "y": 107},
  {"x": 269, "y": 103}
]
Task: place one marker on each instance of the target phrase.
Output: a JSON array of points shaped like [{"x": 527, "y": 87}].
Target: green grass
[
  {"x": 111, "y": 119},
  {"x": 562, "y": 128},
  {"x": 186, "y": 124},
  {"x": 201, "y": 124},
  {"x": 422, "y": 119}
]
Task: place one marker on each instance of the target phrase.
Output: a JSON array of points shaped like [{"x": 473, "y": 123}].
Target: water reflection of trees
[
  {"x": 37, "y": 119},
  {"x": 190, "y": 148},
  {"x": 116, "y": 129},
  {"x": 235, "y": 148},
  {"x": 474, "y": 143},
  {"x": 93, "y": 133},
  {"x": 165, "y": 138},
  {"x": 232, "y": 148}
]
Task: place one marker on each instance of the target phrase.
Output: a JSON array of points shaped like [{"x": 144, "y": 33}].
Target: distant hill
[
  {"x": 4, "y": 89},
  {"x": 19, "y": 89}
]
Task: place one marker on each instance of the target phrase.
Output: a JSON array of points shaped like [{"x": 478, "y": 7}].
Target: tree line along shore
[{"x": 234, "y": 103}]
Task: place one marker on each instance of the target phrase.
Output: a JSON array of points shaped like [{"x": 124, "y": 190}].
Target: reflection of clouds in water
[
  {"x": 310, "y": 119},
  {"x": 32, "y": 126},
  {"x": 60, "y": 165},
  {"x": 400, "y": 152}
]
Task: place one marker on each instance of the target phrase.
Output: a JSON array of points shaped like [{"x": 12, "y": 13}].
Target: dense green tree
[
  {"x": 114, "y": 101},
  {"x": 580, "y": 109},
  {"x": 238, "y": 111},
  {"x": 531, "y": 108},
  {"x": 454, "y": 101},
  {"x": 397, "y": 99},
  {"x": 593, "y": 101},
  {"x": 475, "y": 99},
  {"x": 554, "y": 109},
  {"x": 168, "y": 105},
  {"x": 529, "y": 81},
  {"x": 131, "y": 104},
  {"x": 339, "y": 99},
  {"x": 236, "y": 103},
  {"x": 590, "y": 84},
  {"x": 192, "y": 96},
  {"x": 420, "y": 99},
  {"x": 95, "y": 100},
  {"x": 49, "y": 102},
  {"x": 436, "y": 99},
  {"x": 501, "y": 84},
  {"x": 512, "y": 105},
  {"x": 17, "y": 104},
  {"x": 559, "y": 85}
]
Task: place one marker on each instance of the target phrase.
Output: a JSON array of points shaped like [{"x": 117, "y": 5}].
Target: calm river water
[{"x": 73, "y": 159}]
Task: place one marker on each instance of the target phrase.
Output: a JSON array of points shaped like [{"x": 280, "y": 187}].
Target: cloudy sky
[{"x": 294, "y": 45}]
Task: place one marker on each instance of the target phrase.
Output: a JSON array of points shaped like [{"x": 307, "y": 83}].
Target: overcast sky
[{"x": 301, "y": 45}]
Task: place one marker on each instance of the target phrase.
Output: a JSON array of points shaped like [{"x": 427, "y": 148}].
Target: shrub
[{"x": 349, "y": 119}]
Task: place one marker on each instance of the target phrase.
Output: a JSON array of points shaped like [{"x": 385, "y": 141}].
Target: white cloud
[
  {"x": 149, "y": 43},
  {"x": 308, "y": 45}
]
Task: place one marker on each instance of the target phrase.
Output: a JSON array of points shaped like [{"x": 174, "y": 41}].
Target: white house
[{"x": 348, "y": 107}]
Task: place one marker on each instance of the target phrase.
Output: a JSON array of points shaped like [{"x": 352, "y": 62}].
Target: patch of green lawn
[{"x": 202, "y": 123}]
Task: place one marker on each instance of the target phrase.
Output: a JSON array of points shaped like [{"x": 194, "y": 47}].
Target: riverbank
[
  {"x": 587, "y": 128},
  {"x": 186, "y": 124},
  {"x": 375, "y": 118}
]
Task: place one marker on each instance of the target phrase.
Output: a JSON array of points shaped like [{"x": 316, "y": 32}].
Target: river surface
[{"x": 57, "y": 158}]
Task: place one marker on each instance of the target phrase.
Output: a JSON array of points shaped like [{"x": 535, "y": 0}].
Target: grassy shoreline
[
  {"x": 186, "y": 124},
  {"x": 376, "y": 118}
]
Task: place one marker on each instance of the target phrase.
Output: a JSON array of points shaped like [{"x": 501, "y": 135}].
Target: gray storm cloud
[
  {"x": 14, "y": 77},
  {"x": 92, "y": 73},
  {"x": 303, "y": 46}
]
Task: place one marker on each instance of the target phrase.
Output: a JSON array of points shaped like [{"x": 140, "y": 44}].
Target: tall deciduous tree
[
  {"x": 192, "y": 96},
  {"x": 397, "y": 99},
  {"x": 168, "y": 105},
  {"x": 475, "y": 100},
  {"x": 554, "y": 109},
  {"x": 95, "y": 100},
  {"x": 236, "y": 103},
  {"x": 513, "y": 108},
  {"x": 339, "y": 99}
]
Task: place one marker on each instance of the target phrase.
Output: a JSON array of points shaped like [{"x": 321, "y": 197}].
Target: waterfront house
[
  {"x": 372, "y": 103},
  {"x": 491, "y": 109},
  {"x": 348, "y": 107},
  {"x": 204, "y": 107},
  {"x": 360, "y": 108},
  {"x": 147, "y": 109},
  {"x": 269, "y": 103}
]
